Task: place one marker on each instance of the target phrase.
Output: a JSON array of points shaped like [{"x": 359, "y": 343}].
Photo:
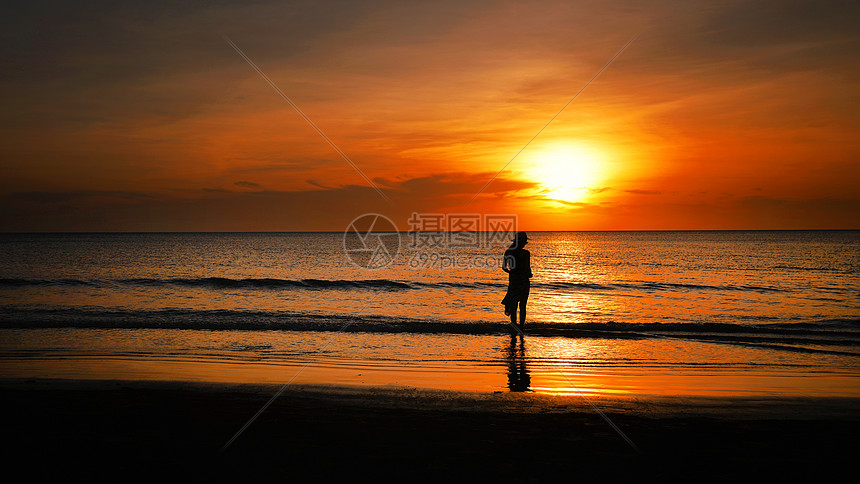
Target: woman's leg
[{"x": 523, "y": 303}]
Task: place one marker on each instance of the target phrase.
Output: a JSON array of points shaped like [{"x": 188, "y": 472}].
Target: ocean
[{"x": 622, "y": 313}]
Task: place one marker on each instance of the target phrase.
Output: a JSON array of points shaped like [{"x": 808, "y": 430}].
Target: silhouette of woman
[{"x": 518, "y": 265}]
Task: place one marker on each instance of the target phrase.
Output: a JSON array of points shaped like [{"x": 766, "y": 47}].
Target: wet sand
[{"x": 173, "y": 431}]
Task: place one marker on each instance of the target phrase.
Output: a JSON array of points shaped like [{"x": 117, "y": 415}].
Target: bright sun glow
[{"x": 565, "y": 172}]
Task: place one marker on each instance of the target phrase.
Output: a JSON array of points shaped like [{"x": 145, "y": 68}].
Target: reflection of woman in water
[
  {"x": 518, "y": 376},
  {"x": 518, "y": 265}
]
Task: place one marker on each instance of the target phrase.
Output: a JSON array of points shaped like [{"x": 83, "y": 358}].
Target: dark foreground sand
[{"x": 172, "y": 432}]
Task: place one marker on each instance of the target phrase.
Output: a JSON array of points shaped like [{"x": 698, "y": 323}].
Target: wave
[
  {"x": 832, "y": 332},
  {"x": 214, "y": 283},
  {"x": 657, "y": 286},
  {"x": 834, "y": 270},
  {"x": 387, "y": 284},
  {"x": 223, "y": 282},
  {"x": 8, "y": 282}
]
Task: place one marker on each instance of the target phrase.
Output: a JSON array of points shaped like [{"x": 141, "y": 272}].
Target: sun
[{"x": 566, "y": 172}]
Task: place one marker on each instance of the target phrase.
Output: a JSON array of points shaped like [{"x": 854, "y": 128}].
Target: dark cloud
[
  {"x": 95, "y": 62},
  {"x": 775, "y": 22},
  {"x": 247, "y": 184},
  {"x": 127, "y": 40},
  {"x": 219, "y": 209},
  {"x": 318, "y": 184},
  {"x": 259, "y": 165},
  {"x": 459, "y": 185},
  {"x": 762, "y": 37}
]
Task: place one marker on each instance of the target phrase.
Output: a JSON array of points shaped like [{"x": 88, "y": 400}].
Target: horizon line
[{"x": 81, "y": 232}]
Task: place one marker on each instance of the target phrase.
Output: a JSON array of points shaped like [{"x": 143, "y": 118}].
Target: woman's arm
[{"x": 508, "y": 263}]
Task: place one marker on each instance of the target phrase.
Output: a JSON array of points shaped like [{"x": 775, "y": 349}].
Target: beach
[{"x": 175, "y": 431}]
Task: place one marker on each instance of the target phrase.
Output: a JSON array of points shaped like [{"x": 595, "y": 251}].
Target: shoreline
[
  {"x": 142, "y": 430},
  {"x": 595, "y": 367}
]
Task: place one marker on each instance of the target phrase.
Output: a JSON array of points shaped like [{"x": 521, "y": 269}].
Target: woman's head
[{"x": 520, "y": 240}]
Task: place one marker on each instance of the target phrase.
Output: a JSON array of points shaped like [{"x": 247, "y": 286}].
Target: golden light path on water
[{"x": 539, "y": 365}]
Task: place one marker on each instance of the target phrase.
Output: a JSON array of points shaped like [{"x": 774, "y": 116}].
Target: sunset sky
[{"x": 134, "y": 116}]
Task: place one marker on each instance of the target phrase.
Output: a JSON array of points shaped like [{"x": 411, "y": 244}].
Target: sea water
[{"x": 609, "y": 312}]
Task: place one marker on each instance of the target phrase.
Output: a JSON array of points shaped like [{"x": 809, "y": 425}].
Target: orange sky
[{"x": 721, "y": 115}]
